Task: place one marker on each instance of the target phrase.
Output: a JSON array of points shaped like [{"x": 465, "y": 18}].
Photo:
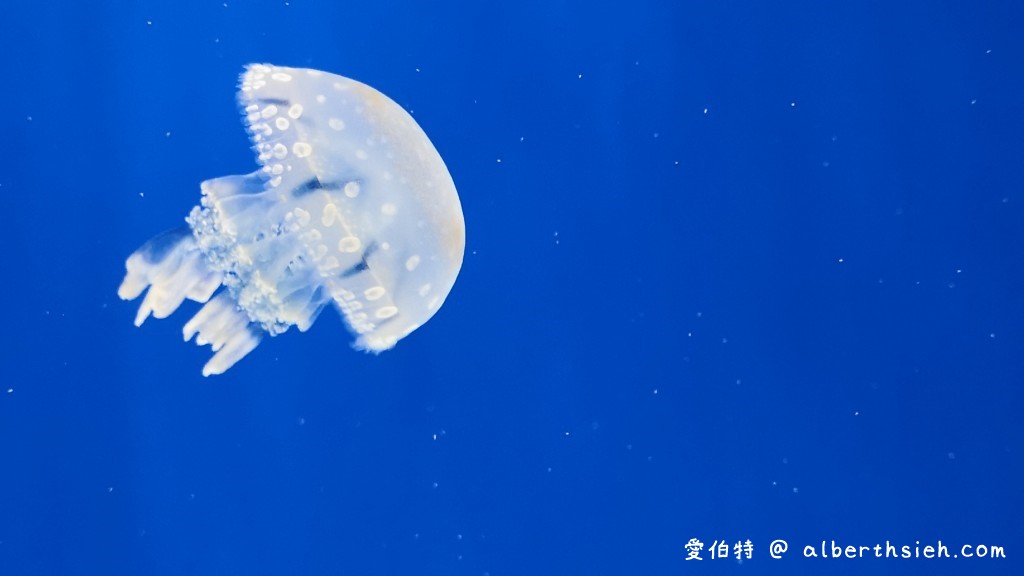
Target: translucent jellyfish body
[{"x": 351, "y": 206}]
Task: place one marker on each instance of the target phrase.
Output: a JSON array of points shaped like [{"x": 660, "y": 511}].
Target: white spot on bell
[
  {"x": 349, "y": 244},
  {"x": 281, "y": 123},
  {"x": 412, "y": 262},
  {"x": 269, "y": 111},
  {"x": 295, "y": 111},
  {"x": 302, "y": 149},
  {"x": 329, "y": 214},
  {"x": 336, "y": 124},
  {"x": 374, "y": 293},
  {"x": 280, "y": 151},
  {"x": 361, "y": 154},
  {"x": 388, "y": 209},
  {"x": 352, "y": 189},
  {"x": 281, "y": 77},
  {"x": 320, "y": 98},
  {"x": 386, "y": 312}
]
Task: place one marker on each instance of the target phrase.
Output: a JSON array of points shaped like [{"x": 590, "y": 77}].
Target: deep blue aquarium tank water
[{"x": 728, "y": 288}]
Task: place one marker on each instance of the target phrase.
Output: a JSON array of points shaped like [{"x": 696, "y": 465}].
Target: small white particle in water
[
  {"x": 149, "y": 22},
  {"x": 792, "y": 104},
  {"x": 840, "y": 260},
  {"x": 499, "y": 160},
  {"x": 580, "y": 76},
  {"x": 10, "y": 390},
  {"x": 167, "y": 134},
  {"x": 974, "y": 101},
  {"x": 991, "y": 334},
  {"x": 705, "y": 110},
  {"x": 142, "y": 194}
]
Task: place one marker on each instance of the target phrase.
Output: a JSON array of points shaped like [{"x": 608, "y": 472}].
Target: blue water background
[{"x": 734, "y": 270}]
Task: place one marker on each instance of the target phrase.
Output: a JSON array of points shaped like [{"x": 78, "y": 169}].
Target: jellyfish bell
[{"x": 352, "y": 206}]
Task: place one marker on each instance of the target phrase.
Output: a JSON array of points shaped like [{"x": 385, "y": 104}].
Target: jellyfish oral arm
[{"x": 173, "y": 268}]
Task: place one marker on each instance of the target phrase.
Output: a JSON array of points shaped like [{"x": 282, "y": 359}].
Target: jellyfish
[{"x": 351, "y": 206}]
